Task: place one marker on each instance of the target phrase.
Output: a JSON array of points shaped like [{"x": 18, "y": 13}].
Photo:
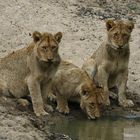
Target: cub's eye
[
  {"x": 44, "y": 47},
  {"x": 54, "y": 47},
  {"x": 92, "y": 104},
  {"x": 125, "y": 35},
  {"x": 115, "y": 34},
  {"x": 84, "y": 93}
]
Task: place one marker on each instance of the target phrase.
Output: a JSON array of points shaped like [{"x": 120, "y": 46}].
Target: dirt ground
[{"x": 83, "y": 26}]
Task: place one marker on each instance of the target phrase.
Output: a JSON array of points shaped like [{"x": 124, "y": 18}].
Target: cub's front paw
[
  {"x": 41, "y": 113},
  {"x": 126, "y": 103},
  {"x": 52, "y": 97},
  {"x": 107, "y": 102},
  {"x": 113, "y": 95},
  {"x": 23, "y": 102},
  {"x": 64, "y": 109},
  {"x": 49, "y": 108}
]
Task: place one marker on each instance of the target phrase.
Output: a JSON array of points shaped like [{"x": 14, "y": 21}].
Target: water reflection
[{"x": 103, "y": 129}]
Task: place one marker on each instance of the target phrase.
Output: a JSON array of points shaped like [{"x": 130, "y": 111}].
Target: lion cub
[
  {"x": 72, "y": 83},
  {"x": 31, "y": 69},
  {"x": 109, "y": 64}
]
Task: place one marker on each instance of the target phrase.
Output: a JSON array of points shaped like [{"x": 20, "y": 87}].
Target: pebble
[
  {"x": 135, "y": 79},
  {"x": 82, "y": 38},
  {"x": 133, "y": 72}
]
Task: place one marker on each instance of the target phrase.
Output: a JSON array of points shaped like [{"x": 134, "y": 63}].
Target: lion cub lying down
[
  {"x": 72, "y": 82},
  {"x": 30, "y": 70}
]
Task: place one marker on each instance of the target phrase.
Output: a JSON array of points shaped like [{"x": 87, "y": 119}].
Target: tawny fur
[
  {"x": 30, "y": 70},
  {"x": 72, "y": 83},
  {"x": 109, "y": 63}
]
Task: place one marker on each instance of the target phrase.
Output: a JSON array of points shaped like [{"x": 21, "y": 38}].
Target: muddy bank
[{"x": 19, "y": 123}]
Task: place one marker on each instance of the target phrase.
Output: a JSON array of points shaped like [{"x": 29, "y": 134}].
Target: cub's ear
[
  {"x": 109, "y": 24},
  {"x": 58, "y": 36},
  {"x": 130, "y": 25},
  {"x": 80, "y": 90},
  {"x": 84, "y": 91},
  {"x": 36, "y": 36}
]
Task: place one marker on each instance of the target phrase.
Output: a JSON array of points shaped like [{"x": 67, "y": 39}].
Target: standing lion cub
[
  {"x": 31, "y": 69},
  {"x": 72, "y": 83},
  {"x": 109, "y": 64}
]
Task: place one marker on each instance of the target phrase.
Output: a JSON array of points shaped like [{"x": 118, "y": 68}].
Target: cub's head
[
  {"x": 119, "y": 33},
  {"x": 91, "y": 99},
  {"x": 47, "y": 45}
]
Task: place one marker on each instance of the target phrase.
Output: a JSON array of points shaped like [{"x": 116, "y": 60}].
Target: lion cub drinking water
[
  {"x": 31, "y": 69},
  {"x": 109, "y": 64},
  {"x": 72, "y": 82}
]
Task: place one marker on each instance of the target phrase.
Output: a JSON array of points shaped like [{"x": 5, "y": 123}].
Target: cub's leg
[
  {"x": 46, "y": 89},
  {"x": 3, "y": 88},
  {"x": 62, "y": 104},
  {"x": 103, "y": 76},
  {"x": 4, "y": 91},
  {"x": 112, "y": 83},
  {"x": 90, "y": 67},
  {"x": 35, "y": 92},
  {"x": 122, "y": 80}
]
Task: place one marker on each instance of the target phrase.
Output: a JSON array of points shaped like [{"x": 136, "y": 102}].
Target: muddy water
[{"x": 106, "y": 128}]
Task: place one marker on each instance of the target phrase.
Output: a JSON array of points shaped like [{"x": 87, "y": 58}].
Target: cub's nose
[
  {"x": 120, "y": 46},
  {"x": 50, "y": 60}
]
